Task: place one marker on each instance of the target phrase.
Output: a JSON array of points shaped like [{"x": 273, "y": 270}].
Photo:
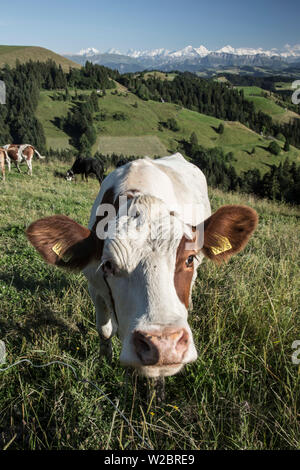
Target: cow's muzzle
[{"x": 161, "y": 348}]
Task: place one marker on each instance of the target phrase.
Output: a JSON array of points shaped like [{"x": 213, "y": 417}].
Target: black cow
[{"x": 86, "y": 166}]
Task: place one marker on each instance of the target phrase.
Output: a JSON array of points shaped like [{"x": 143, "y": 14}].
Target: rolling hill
[
  {"x": 139, "y": 133},
  {"x": 9, "y": 55},
  {"x": 266, "y": 102}
]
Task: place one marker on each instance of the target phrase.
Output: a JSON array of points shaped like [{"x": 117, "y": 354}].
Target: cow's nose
[{"x": 161, "y": 347}]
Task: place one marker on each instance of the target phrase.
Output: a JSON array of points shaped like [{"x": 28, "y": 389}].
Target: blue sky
[{"x": 69, "y": 25}]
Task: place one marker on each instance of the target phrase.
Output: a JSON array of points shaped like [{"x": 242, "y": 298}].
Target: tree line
[
  {"x": 279, "y": 183},
  {"x": 79, "y": 122},
  {"x": 17, "y": 120},
  {"x": 23, "y": 84},
  {"x": 267, "y": 83}
]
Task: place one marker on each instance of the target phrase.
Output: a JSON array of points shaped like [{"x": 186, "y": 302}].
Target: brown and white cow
[
  {"x": 150, "y": 228},
  {"x": 3, "y": 159},
  {"x": 21, "y": 153}
]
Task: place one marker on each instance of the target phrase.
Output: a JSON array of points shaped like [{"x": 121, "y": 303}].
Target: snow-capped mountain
[
  {"x": 201, "y": 51},
  {"x": 269, "y": 53},
  {"x": 190, "y": 58},
  {"x": 246, "y": 51},
  {"x": 89, "y": 52},
  {"x": 148, "y": 53},
  {"x": 112, "y": 51},
  {"x": 287, "y": 51},
  {"x": 291, "y": 51},
  {"x": 188, "y": 51}
]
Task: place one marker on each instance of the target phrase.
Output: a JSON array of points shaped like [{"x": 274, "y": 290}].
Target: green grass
[
  {"x": 7, "y": 49},
  {"x": 161, "y": 75},
  {"x": 46, "y": 112},
  {"x": 284, "y": 86},
  {"x": 267, "y": 104},
  {"x": 241, "y": 393},
  {"x": 139, "y": 134},
  {"x": 142, "y": 145},
  {"x": 9, "y": 55}
]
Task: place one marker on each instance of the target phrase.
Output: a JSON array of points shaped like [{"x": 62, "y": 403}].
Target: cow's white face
[
  {"x": 144, "y": 271},
  {"x": 70, "y": 175},
  {"x": 138, "y": 263}
]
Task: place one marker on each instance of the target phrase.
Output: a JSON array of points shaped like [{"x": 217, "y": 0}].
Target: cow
[
  {"x": 85, "y": 167},
  {"x": 21, "y": 153},
  {"x": 150, "y": 228},
  {"x": 3, "y": 158}
]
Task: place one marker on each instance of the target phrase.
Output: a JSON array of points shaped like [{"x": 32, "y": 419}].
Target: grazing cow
[
  {"x": 86, "y": 166},
  {"x": 21, "y": 153},
  {"x": 3, "y": 158},
  {"x": 150, "y": 227}
]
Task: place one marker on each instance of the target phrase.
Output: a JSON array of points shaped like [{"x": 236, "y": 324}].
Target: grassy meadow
[
  {"x": 243, "y": 391},
  {"x": 139, "y": 134}
]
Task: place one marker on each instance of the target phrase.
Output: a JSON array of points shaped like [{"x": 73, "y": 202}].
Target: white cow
[{"x": 150, "y": 228}]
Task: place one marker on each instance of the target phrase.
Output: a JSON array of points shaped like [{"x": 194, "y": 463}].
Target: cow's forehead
[{"x": 146, "y": 229}]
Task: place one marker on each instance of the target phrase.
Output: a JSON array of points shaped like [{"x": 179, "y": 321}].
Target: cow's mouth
[{"x": 159, "y": 371}]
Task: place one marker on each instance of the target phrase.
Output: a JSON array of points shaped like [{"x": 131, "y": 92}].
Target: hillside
[
  {"x": 139, "y": 133},
  {"x": 9, "y": 55},
  {"x": 241, "y": 393},
  {"x": 266, "y": 102}
]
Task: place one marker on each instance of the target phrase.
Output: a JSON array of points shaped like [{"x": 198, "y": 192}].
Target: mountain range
[{"x": 190, "y": 58}]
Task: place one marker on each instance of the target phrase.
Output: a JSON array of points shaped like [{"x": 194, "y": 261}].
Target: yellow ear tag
[
  {"x": 58, "y": 248},
  {"x": 225, "y": 245}
]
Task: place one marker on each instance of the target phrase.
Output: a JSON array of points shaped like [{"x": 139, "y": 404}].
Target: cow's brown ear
[
  {"x": 227, "y": 231},
  {"x": 63, "y": 242}
]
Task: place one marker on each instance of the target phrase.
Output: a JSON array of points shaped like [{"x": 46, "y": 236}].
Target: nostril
[
  {"x": 145, "y": 349},
  {"x": 142, "y": 345},
  {"x": 182, "y": 342}
]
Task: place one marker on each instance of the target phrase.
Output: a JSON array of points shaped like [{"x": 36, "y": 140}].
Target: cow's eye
[{"x": 189, "y": 261}]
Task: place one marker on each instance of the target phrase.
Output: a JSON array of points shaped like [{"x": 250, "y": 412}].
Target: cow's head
[
  {"x": 145, "y": 267},
  {"x": 70, "y": 175},
  {"x": 76, "y": 168}
]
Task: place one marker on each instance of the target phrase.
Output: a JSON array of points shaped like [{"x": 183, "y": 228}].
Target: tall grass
[{"x": 241, "y": 393}]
